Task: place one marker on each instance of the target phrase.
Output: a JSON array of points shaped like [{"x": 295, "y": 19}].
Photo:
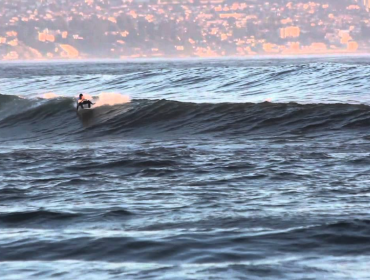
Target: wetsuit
[{"x": 81, "y": 104}]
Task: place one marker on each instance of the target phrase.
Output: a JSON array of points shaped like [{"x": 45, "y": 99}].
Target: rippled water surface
[{"x": 216, "y": 169}]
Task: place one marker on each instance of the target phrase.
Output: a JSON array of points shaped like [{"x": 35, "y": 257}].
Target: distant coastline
[
  {"x": 180, "y": 28},
  {"x": 191, "y": 58}
]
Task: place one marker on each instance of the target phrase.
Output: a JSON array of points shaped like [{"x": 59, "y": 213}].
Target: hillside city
[{"x": 81, "y": 29}]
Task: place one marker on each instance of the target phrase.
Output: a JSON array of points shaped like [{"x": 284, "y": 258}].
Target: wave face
[
  {"x": 197, "y": 177},
  {"x": 162, "y": 118}
]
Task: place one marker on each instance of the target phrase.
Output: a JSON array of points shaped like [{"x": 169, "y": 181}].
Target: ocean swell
[{"x": 148, "y": 118}]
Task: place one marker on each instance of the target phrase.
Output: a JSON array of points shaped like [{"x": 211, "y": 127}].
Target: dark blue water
[{"x": 215, "y": 169}]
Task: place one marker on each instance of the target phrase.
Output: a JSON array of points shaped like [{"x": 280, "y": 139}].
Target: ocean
[{"x": 186, "y": 169}]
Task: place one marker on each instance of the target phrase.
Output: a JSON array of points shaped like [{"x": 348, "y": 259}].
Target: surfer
[{"x": 82, "y": 100}]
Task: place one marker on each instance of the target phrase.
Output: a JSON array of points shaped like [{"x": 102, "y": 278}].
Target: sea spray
[
  {"x": 49, "y": 95},
  {"x": 111, "y": 98},
  {"x": 107, "y": 99}
]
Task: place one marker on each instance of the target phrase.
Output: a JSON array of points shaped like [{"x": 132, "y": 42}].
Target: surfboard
[{"x": 83, "y": 111}]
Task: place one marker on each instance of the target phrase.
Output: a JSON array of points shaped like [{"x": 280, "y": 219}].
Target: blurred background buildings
[{"x": 53, "y": 29}]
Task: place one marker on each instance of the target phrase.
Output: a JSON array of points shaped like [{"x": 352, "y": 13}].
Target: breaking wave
[{"x": 57, "y": 117}]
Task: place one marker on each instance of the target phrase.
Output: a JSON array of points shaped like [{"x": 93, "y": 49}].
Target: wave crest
[{"x": 151, "y": 118}]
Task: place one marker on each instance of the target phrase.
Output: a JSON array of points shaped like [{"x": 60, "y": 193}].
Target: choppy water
[{"x": 198, "y": 177}]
